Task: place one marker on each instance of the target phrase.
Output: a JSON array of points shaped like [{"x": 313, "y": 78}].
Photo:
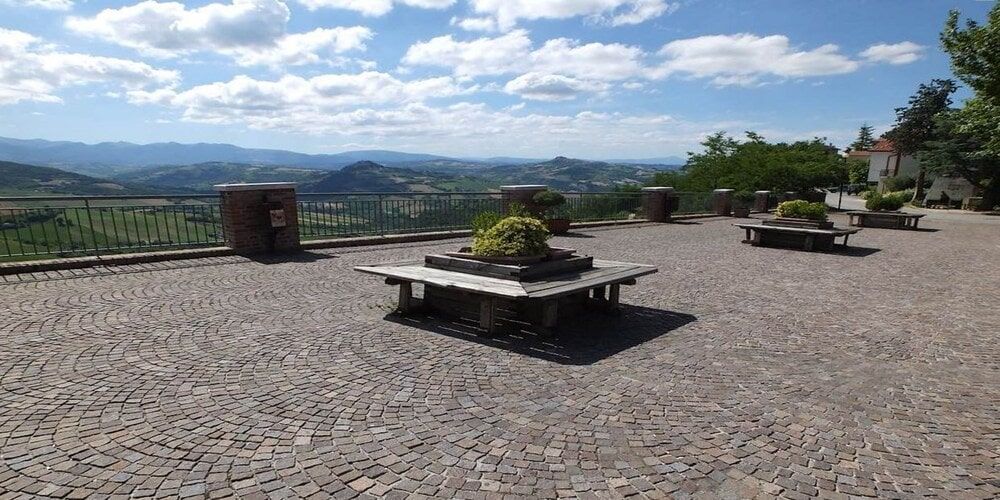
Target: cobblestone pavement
[{"x": 734, "y": 372}]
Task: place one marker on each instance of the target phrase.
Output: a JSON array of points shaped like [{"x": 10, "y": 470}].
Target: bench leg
[
  {"x": 487, "y": 315},
  {"x": 810, "y": 241},
  {"x": 550, "y": 313},
  {"x": 614, "y": 297},
  {"x": 845, "y": 239},
  {"x": 405, "y": 298},
  {"x": 747, "y": 239},
  {"x": 599, "y": 293}
]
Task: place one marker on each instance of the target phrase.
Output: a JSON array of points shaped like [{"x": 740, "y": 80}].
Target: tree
[
  {"x": 865, "y": 140},
  {"x": 915, "y": 122},
  {"x": 958, "y": 153},
  {"x": 857, "y": 171},
  {"x": 756, "y": 164},
  {"x": 975, "y": 59}
]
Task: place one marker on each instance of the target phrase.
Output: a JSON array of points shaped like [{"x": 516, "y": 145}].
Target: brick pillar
[
  {"x": 522, "y": 194},
  {"x": 246, "y": 217},
  {"x": 722, "y": 201},
  {"x": 655, "y": 202},
  {"x": 761, "y": 201}
]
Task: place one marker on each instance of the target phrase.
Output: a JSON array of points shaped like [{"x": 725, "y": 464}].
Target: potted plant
[
  {"x": 742, "y": 201},
  {"x": 511, "y": 240},
  {"x": 801, "y": 213},
  {"x": 548, "y": 200}
]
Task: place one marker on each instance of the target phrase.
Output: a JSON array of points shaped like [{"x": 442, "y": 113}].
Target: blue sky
[{"x": 538, "y": 78}]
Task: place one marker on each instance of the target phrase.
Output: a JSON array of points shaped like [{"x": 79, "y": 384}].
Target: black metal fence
[
  {"x": 89, "y": 225},
  {"x": 78, "y": 225}
]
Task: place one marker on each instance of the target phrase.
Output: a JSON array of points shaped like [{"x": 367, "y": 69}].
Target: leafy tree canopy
[
  {"x": 755, "y": 164},
  {"x": 915, "y": 122}
]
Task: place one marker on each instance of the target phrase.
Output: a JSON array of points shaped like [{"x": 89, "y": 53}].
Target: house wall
[{"x": 877, "y": 162}]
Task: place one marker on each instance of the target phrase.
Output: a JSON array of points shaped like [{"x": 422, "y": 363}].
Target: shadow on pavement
[{"x": 581, "y": 341}]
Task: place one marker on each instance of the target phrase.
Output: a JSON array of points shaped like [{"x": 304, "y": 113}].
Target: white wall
[{"x": 877, "y": 162}]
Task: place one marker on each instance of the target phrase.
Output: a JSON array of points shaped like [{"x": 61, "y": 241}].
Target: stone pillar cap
[
  {"x": 724, "y": 190},
  {"x": 524, "y": 187},
  {"x": 762, "y": 191},
  {"x": 257, "y": 186},
  {"x": 658, "y": 188}
]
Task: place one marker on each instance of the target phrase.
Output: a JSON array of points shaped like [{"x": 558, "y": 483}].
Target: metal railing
[
  {"x": 341, "y": 215},
  {"x": 693, "y": 203},
  {"x": 93, "y": 225},
  {"x": 588, "y": 207}
]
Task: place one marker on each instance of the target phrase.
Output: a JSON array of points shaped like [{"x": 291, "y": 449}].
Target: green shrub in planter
[
  {"x": 889, "y": 202},
  {"x": 482, "y": 222},
  {"x": 548, "y": 199},
  {"x": 801, "y": 209},
  {"x": 512, "y": 237}
]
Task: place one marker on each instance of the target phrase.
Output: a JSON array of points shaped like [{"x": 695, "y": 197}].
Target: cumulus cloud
[
  {"x": 893, "y": 53},
  {"x": 572, "y": 64},
  {"x": 41, "y": 4},
  {"x": 374, "y": 8},
  {"x": 743, "y": 59},
  {"x": 250, "y": 31},
  {"x": 543, "y": 87},
  {"x": 506, "y": 13},
  {"x": 253, "y": 99},
  {"x": 31, "y": 70}
]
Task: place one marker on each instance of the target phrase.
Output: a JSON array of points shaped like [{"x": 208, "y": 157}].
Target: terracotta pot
[{"x": 557, "y": 226}]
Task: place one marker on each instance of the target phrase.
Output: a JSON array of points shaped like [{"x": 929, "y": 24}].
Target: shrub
[
  {"x": 548, "y": 198},
  {"x": 516, "y": 209},
  {"x": 899, "y": 183},
  {"x": 482, "y": 222},
  {"x": 892, "y": 201},
  {"x": 743, "y": 199},
  {"x": 801, "y": 209},
  {"x": 512, "y": 237},
  {"x": 867, "y": 193}
]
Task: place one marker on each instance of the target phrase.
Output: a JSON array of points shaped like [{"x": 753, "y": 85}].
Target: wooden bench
[
  {"x": 886, "y": 220},
  {"x": 541, "y": 301},
  {"x": 808, "y": 239}
]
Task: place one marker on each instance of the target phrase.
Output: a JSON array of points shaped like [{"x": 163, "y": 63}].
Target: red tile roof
[{"x": 883, "y": 145}]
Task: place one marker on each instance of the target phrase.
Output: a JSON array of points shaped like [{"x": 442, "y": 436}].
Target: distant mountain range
[
  {"x": 125, "y": 168},
  {"x": 114, "y": 157}
]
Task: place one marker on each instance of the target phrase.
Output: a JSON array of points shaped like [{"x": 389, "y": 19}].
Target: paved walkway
[{"x": 734, "y": 372}]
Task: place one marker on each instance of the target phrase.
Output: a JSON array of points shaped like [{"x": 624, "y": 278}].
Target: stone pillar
[
  {"x": 523, "y": 195},
  {"x": 655, "y": 201},
  {"x": 761, "y": 201},
  {"x": 260, "y": 218},
  {"x": 722, "y": 201},
  {"x": 790, "y": 195}
]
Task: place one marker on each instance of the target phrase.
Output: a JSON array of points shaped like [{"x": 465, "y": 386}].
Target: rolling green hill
[
  {"x": 569, "y": 174},
  {"x": 202, "y": 176},
  {"x": 28, "y": 180},
  {"x": 366, "y": 176}
]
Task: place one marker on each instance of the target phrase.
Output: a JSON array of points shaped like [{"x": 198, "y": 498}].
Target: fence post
[
  {"x": 251, "y": 216},
  {"x": 655, "y": 202},
  {"x": 523, "y": 195},
  {"x": 722, "y": 202},
  {"x": 761, "y": 201}
]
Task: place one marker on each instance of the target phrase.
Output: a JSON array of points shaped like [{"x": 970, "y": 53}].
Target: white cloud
[
  {"x": 742, "y": 59},
  {"x": 893, "y": 53},
  {"x": 482, "y": 56},
  {"x": 542, "y": 87},
  {"x": 642, "y": 11},
  {"x": 250, "y": 31},
  {"x": 31, "y": 70},
  {"x": 558, "y": 70},
  {"x": 475, "y": 23},
  {"x": 267, "y": 99},
  {"x": 374, "y": 8},
  {"x": 507, "y": 13},
  {"x": 41, "y": 4}
]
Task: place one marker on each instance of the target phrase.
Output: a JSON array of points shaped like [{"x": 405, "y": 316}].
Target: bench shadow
[
  {"x": 855, "y": 251},
  {"x": 584, "y": 340},
  {"x": 283, "y": 258},
  {"x": 572, "y": 234}
]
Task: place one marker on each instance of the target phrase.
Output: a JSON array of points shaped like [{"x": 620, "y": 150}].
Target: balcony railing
[
  {"x": 94, "y": 225},
  {"x": 65, "y": 226}
]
